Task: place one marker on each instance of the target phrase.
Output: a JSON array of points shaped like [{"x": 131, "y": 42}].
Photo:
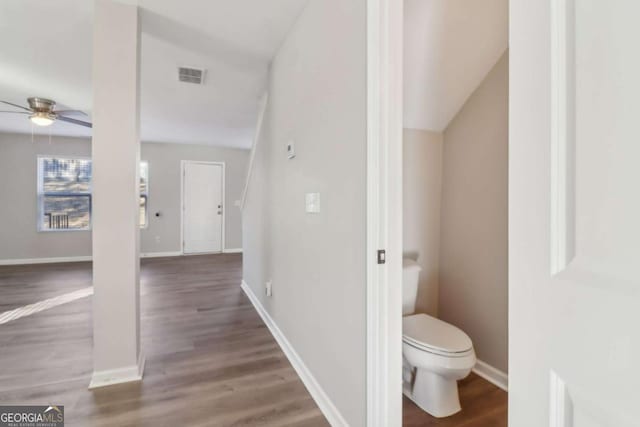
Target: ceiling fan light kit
[
  {"x": 42, "y": 112},
  {"x": 42, "y": 119}
]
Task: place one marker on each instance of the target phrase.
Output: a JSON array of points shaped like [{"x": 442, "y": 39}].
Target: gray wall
[
  {"x": 19, "y": 238},
  {"x": 473, "y": 240},
  {"x": 164, "y": 192},
  {"x": 422, "y": 174},
  {"x": 317, "y": 98}
]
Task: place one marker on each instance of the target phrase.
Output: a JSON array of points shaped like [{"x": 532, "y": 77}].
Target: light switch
[
  {"x": 312, "y": 201},
  {"x": 291, "y": 150}
]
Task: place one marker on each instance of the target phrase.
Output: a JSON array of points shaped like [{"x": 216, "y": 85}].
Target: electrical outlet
[
  {"x": 157, "y": 239},
  {"x": 268, "y": 288}
]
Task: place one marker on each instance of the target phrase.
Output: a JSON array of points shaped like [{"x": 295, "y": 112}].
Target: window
[
  {"x": 144, "y": 193},
  {"x": 64, "y": 193}
]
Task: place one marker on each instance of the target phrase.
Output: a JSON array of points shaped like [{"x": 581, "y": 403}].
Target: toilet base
[{"x": 433, "y": 393}]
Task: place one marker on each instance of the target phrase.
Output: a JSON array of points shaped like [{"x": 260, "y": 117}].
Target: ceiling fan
[{"x": 42, "y": 112}]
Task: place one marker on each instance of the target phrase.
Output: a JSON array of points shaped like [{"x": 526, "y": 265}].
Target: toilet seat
[{"x": 435, "y": 336}]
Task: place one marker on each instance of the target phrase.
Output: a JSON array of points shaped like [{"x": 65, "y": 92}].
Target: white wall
[
  {"x": 473, "y": 240},
  {"x": 19, "y": 238},
  {"x": 317, "y": 98},
  {"x": 422, "y": 174}
]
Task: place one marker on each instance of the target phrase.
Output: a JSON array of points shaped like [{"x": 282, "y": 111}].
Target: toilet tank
[{"x": 410, "y": 279}]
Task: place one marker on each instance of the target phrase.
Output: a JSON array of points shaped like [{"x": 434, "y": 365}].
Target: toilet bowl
[{"x": 435, "y": 354}]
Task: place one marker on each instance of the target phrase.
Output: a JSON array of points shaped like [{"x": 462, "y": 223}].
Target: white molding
[
  {"x": 160, "y": 254},
  {"x": 53, "y": 260},
  {"x": 118, "y": 376},
  {"x": 384, "y": 212},
  {"x": 232, "y": 251},
  {"x": 560, "y": 405},
  {"x": 562, "y": 150},
  {"x": 256, "y": 138},
  {"x": 317, "y": 393},
  {"x": 491, "y": 374}
]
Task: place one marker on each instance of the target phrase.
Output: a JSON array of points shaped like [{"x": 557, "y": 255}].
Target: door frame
[
  {"x": 384, "y": 212},
  {"x": 183, "y": 164}
]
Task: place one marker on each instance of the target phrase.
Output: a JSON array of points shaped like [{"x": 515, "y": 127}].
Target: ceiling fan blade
[
  {"x": 16, "y": 105},
  {"x": 16, "y": 112},
  {"x": 74, "y": 121},
  {"x": 70, "y": 112}
]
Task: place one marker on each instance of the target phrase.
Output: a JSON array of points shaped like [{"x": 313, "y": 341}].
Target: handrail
[{"x": 256, "y": 138}]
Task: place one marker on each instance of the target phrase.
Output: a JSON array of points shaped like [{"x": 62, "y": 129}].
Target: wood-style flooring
[
  {"x": 210, "y": 359},
  {"x": 483, "y": 405}
]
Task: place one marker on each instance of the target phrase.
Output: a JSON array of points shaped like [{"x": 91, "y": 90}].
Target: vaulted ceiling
[
  {"x": 46, "y": 46},
  {"x": 450, "y": 46},
  {"x": 46, "y": 49}
]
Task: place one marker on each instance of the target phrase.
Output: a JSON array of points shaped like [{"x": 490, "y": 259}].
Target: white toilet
[{"x": 435, "y": 354}]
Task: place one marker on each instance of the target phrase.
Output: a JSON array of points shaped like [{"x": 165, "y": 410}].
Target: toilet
[{"x": 435, "y": 354}]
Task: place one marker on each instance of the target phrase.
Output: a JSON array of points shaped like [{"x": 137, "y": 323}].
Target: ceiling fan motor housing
[{"x": 41, "y": 105}]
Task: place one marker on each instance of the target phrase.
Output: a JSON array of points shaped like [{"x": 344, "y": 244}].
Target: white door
[
  {"x": 202, "y": 220},
  {"x": 574, "y": 231}
]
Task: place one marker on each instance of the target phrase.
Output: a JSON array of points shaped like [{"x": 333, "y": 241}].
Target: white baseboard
[
  {"x": 491, "y": 374},
  {"x": 317, "y": 393},
  {"x": 26, "y": 261},
  {"x": 232, "y": 251},
  {"x": 160, "y": 254},
  {"x": 118, "y": 376},
  {"x": 44, "y": 260}
]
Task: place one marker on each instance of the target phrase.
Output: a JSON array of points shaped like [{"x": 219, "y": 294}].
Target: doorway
[{"x": 202, "y": 207}]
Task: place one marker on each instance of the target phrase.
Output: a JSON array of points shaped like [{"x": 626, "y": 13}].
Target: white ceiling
[
  {"x": 47, "y": 46},
  {"x": 450, "y": 46}
]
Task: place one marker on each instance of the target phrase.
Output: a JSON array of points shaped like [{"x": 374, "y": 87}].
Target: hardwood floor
[
  {"x": 483, "y": 405},
  {"x": 210, "y": 359}
]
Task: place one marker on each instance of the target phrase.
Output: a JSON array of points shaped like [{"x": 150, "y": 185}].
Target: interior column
[{"x": 115, "y": 211}]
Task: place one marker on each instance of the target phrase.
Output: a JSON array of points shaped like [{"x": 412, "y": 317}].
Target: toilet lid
[{"x": 430, "y": 333}]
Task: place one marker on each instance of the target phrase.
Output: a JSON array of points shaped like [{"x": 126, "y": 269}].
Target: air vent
[{"x": 191, "y": 75}]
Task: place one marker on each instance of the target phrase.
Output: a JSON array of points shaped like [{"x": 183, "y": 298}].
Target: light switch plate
[
  {"x": 291, "y": 150},
  {"x": 312, "y": 202},
  {"x": 268, "y": 288}
]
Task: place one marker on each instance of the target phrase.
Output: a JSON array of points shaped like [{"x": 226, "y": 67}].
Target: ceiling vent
[{"x": 191, "y": 75}]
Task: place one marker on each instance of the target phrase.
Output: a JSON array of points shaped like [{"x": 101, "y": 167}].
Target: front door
[
  {"x": 202, "y": 194},
  {"x": 574, "y": 232}
]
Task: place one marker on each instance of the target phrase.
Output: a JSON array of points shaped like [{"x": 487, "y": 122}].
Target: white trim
[
  {"x": 317, "y": 393},
  {"x": 562, "y": 151},
  {"x": 560, "y": 405},
  {"x": 118, "y": 376},
  {"x": 160, "y": 254},
  {"x": 384, "y": 212},
  {"x": 183, "y": 163},
  {"x": 491, "y": 374},
  {"x": 232, "y": 251},
  {"x": 53, "y": 260},
  {"x": 256, "y": 138}
]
